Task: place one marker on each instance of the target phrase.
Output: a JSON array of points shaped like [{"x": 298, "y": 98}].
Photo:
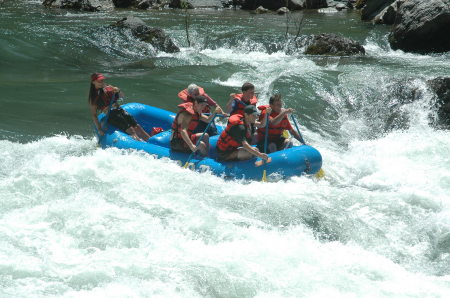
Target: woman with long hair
[{"x": 100, "y": 97}]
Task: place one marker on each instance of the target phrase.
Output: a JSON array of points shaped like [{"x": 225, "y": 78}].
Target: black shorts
[
  {"x": 223, "y": 155},
  {"x": 121, "y": 119},
  {"x": 180, "y": 145},
  {"x": 279, "y": 142}
]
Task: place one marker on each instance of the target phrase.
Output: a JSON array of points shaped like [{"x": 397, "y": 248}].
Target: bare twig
[{"x": 185, "y": 6}]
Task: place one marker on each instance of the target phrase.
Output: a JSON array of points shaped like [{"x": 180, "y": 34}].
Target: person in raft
[
  {"x": 188, "y": 95},
  {"x": 278, "y": 122},
  {"x": 183, "y": 137},
  {"x": 100, "y": 97},
  {"x": 238, "y": 102},
  {"x": 234, "y": 141}
]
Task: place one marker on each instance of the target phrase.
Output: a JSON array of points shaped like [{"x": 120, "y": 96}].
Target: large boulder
[
  {"x": 388, "y": 15},
  {"x": 374, "y": 7},
  {"x": 271, "y": 4},
  {"x": 334, "y": 45},
  {"x": 86, "y": 5},
  {"x": 155, "y": 36},
  {"x": 422, "y": 26},
  {"x": 441, "y": 87}
]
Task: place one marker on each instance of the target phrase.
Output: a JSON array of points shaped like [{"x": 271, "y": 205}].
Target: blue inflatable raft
[{"x": 294, "y": 161}]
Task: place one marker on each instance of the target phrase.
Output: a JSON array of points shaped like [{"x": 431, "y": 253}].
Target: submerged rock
[
  {"x": 335, "y": 45},
  {"x": 422, "y": 26},
  {"x": 282, "y": 10},
  {"x": 271, "y": 4},
  {"x": 86, "y": 5},
  {"x": 261, "y": 10},
  {"x": 155, "y": 36},
  {"x": 341, "y": 6}
]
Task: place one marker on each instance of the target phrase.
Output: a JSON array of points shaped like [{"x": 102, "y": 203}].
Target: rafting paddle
[
  {"x": 320, "y": 173},
  {"x": 199, "y": 140},
  {"x": 264, "y": 177}
]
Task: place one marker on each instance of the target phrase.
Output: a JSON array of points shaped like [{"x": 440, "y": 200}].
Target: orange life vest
[
  {"x": 240, "y": 104},
  {"x": 226, "y": 142},
  {"x": 184, "y": 96},
  {"x": 176, "y": 128},
  {"x": 275, "y": 131}
]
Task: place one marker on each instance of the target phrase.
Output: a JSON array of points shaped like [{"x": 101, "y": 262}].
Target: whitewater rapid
[{"x": 80, "y": 221}]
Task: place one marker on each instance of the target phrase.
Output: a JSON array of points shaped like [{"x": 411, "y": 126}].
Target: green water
[{"x": 47, "y": 56}]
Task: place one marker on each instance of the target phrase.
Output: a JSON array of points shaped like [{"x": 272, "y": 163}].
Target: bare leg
[
  {"x": 133, "y": 134},
  {"x": 204, "y": 144},
  {"x": 243, "y": 154},
  {"x": 232, "y": 156},
  {"x": 203, "y": 149},
  {"x": 141, "y": 133}
]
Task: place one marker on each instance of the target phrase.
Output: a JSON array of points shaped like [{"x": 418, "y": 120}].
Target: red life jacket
[
  {"x": 176, "y": 128},
  {"x": 226, "y": 141},
  {"x": 275, "y": 131},
  {"x": 104, "y": 97},
  {"x": 240, "y": 104},
  {"x": 184, "y": 96}
]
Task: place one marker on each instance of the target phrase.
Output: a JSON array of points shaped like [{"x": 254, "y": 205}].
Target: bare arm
[
  {"x": 230, "y": 102},
  {"x": 207, "y": 119},
  {"x": 262, "y": 123},
  {"x": 253, "y": 150},
  {"x": 93, "y": 109},
  {"x": 212, "y": 103},
  {"x": 116, "y": 90},
  {"x": 183, "y": 120},
  {"x": 280, "y": 116}
]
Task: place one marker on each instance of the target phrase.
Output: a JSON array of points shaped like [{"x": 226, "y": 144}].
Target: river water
[{"x": 79, "y": 221}]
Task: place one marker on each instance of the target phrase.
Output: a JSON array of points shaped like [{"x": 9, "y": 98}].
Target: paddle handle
[
  {"x": 267, "y": 132},
  {"x": 298, "y": 130},
  {"x": 200, "y": 139}
]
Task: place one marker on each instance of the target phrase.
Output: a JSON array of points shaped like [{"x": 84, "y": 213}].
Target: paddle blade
[
  {"x": 261, "y": 162},
  {"x": 264, "y": 177},
  {"x": 320, "y": 174}
]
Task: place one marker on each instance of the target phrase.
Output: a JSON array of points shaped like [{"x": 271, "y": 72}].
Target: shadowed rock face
[
  {"x": 373, "y": 7},
  {"x": 389, "y": 14},
  {"x": 422, "y": 26},
  {"x": 197, "y": 3},
  {"x": 86, "y": 5},
  {"x": 313, "y": 4},
  {"x": 441, "y": 87},
  {"x": 335, "y": 45},
  {"x": 155, "y": 36}
]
